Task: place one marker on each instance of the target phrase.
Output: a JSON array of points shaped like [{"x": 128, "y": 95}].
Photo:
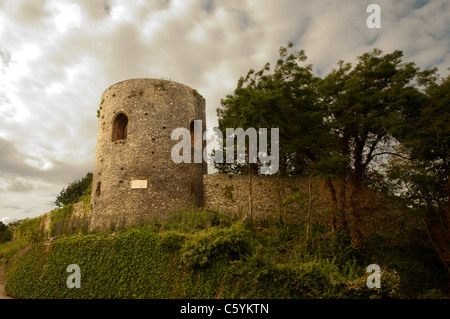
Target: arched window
[{"x": 120, "y": 127}]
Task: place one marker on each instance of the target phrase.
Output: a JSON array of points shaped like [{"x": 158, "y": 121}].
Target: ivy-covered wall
[
  {"x": 136, "y": 264},
  {"x": 217, "y": 262}
]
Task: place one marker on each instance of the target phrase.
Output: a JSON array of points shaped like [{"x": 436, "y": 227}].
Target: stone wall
[
  {"x": 230, "y": 193},
  {"x": 269, "y": 194}
]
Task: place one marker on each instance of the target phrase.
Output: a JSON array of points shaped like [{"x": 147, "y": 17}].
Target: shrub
[
  {"x": 216, "y": 242},
  {"x": 5, "y": 233},
  {"x": 75, "y": 190},
  {"x": 194, "y": 220}
]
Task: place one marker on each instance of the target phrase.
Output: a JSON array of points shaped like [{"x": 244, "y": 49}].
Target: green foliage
[
  {"x": 263, "y": 279},
  {"x": 172, "y": 240},
  {"x": 197, "y": 94},
  {"x": 75, "y": 190},
  {"x": 339, "y": 125},
  {"x": 336, "y": 123},
  {"x": 60, "y": 220},
  {"x": 330, "y": 167},
  {"x": 28, "y": 229},
  {"x": 416, "y": 264},
  {"x": 216, "y": 242},
  {"x": 100, "y": 107},
  {"x": 229, "y": 192},
  {"x": 138, "y": 263},
  {"x": 221, "y": 261},
  {"x": 194, "y": 220},
  {"x": 284, "y": 99},
  {"x": 364, "y": 104},
  {"x": 421, "y": 175},
  {"x": 5, "y": 233}
]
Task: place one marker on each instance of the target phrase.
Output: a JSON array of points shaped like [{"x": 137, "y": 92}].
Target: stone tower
[{"x": 134, "y": 175}]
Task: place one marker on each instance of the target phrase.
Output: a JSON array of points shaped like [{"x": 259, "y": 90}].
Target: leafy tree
[
  {"x": 338, "y": 125},
  {"x": 75, "y": 190},
  {"x": 421, "y": 176},
  {"x": 362, "y": 106},
  {"x": 284, "y": 99},
  {"x": 5, "y": 232}
]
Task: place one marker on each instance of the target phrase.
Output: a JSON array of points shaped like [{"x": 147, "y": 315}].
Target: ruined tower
[{"x": 134, "y": 175}]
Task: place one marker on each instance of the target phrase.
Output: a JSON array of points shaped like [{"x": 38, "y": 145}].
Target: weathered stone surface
[
  {"x": 231, "y": 193},
  {"x": 154, "y": 108},
  {"x": 78, "y": 210}
]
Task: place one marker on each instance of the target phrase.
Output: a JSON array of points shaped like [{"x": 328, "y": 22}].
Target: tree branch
[
  {"x": 390, "y": 153},
  {"x": 371, "y": 149}
]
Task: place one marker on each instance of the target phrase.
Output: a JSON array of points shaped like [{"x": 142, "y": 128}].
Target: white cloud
[
  {"x": 67, "y": 16},
  {"x": 5, "y": 219}
]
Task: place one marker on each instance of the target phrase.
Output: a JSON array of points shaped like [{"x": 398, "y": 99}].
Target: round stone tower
[{"x": 134, "y": 175}]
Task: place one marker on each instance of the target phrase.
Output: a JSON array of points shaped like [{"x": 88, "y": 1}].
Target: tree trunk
[
  {"x": 440, "y": 233},
  {"x": 250, "y": 197},
  {"x": 356, "y": 215},
  {"x": 332, "y": 215},
  {"x": 339, "y": 203},
  {"x": 308, "y": 224},
  {"x": 343, "y": 208}
]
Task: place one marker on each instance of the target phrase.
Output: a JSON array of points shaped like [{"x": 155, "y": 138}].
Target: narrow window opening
[
  {"x": 191, "y": 129},
  {"x": 120, "y": 127},
  {"x": 191, "y": 188},
  {"x": 97, "y": 190}
]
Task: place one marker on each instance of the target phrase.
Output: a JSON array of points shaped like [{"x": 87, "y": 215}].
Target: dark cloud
[
  {"x": 11, "y": 164},
  {"x": 14, "y": 164},
  {"x": 28, "y": 13},
  {"x": 20, "y": 186},
  {"x": 93, "y": 10}
]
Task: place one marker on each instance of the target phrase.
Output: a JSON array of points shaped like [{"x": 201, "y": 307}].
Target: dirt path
[{"x": 3, "y": 294}]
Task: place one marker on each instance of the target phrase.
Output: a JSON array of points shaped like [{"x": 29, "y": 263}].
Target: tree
[
  {"x": 75, "y": 190},
  {"x": 5, "y": 232},
  {"x": 361, "y": 107},
  {"x": 338, "y": 126},
  {"x": 421, "y": 176},
  {"x": 283, "y": 99}
]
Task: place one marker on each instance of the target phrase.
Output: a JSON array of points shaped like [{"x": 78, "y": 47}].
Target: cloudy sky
[{"x": 57, "y": 57}]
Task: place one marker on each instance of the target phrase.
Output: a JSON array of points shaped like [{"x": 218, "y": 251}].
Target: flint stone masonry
[
  {"x": 231, "y": 193},
  {"x": 140, "y": 149}
]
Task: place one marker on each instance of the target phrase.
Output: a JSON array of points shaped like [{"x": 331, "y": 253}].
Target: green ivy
[{"x": 213, "y": 262}]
